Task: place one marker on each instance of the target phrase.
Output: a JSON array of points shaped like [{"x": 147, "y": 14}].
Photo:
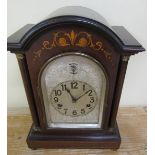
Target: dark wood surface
[
  {"x": 126, "y": 37},
  {"x": 21, "y": 41},
  {"x": 28, "y": 88},
  {"x": 118, "y": 89},
  {"x": 79, "y": 11},
  {"x": 16, "y": 37}
]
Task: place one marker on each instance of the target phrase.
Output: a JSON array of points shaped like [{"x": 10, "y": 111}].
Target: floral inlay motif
[{"x": 80, "y": 39}]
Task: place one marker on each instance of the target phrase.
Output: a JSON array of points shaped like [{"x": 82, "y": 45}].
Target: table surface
[{"x": 131, "y": 122}]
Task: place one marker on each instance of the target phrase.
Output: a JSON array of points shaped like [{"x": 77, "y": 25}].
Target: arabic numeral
[
  {"x": 65, "y": 111},
  {"x": 90, "y": 93},
  {"x": 89, "y": 106},
  {"x": 82, "y": 111},
  {"x": 55, "y": 99},
  {"x": 58, "y": 92},
  {"x": 74, "y": 85},
  {"x": 59, "y": 106},
  {"x": 91, "y": 99},
  {"x": 63, "y": 87},
  {"x": 74, "y": 112}
]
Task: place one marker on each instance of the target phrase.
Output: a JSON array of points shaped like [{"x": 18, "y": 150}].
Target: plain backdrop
[{"x": 128, "y": 13}]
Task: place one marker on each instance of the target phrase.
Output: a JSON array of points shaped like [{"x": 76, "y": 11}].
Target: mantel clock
[{"x": 73, "y": 66}]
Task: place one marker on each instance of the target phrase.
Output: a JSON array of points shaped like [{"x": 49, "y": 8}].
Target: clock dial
[
  {"x": 73, "y": 98},
  {"x": 73, "y": 87}
]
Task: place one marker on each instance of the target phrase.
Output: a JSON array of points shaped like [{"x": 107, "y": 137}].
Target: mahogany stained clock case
[{"x": 73, "y": 66}]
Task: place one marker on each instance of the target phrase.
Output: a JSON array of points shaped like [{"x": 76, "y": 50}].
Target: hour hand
[{"x": 73, "y": 98}]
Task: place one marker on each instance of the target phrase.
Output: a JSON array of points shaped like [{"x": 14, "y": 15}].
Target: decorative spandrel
[{"x": 65, "y": 39}]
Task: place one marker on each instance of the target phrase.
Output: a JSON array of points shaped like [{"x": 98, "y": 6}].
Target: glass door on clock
[{"x": 73, "y": 88}]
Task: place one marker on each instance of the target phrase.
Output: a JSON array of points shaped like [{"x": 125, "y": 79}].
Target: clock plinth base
[{"x": 109, "y": 140}]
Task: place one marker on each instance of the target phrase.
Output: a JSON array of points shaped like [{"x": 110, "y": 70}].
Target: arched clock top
[{"x": 117, "y": 35}]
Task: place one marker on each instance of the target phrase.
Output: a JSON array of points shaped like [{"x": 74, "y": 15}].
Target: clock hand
[
  {"x": 73, "y": 98},
  {"x": 81, "y": 95}
]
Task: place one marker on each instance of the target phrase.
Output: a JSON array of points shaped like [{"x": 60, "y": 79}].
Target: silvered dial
[{"x": 73, "y": 98}]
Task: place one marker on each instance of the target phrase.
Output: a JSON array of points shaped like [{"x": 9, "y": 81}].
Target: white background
[{"x": 128, "y": 13}]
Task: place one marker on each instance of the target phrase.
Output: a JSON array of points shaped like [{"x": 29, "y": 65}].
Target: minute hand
[{"x": 82, "y": 95}]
